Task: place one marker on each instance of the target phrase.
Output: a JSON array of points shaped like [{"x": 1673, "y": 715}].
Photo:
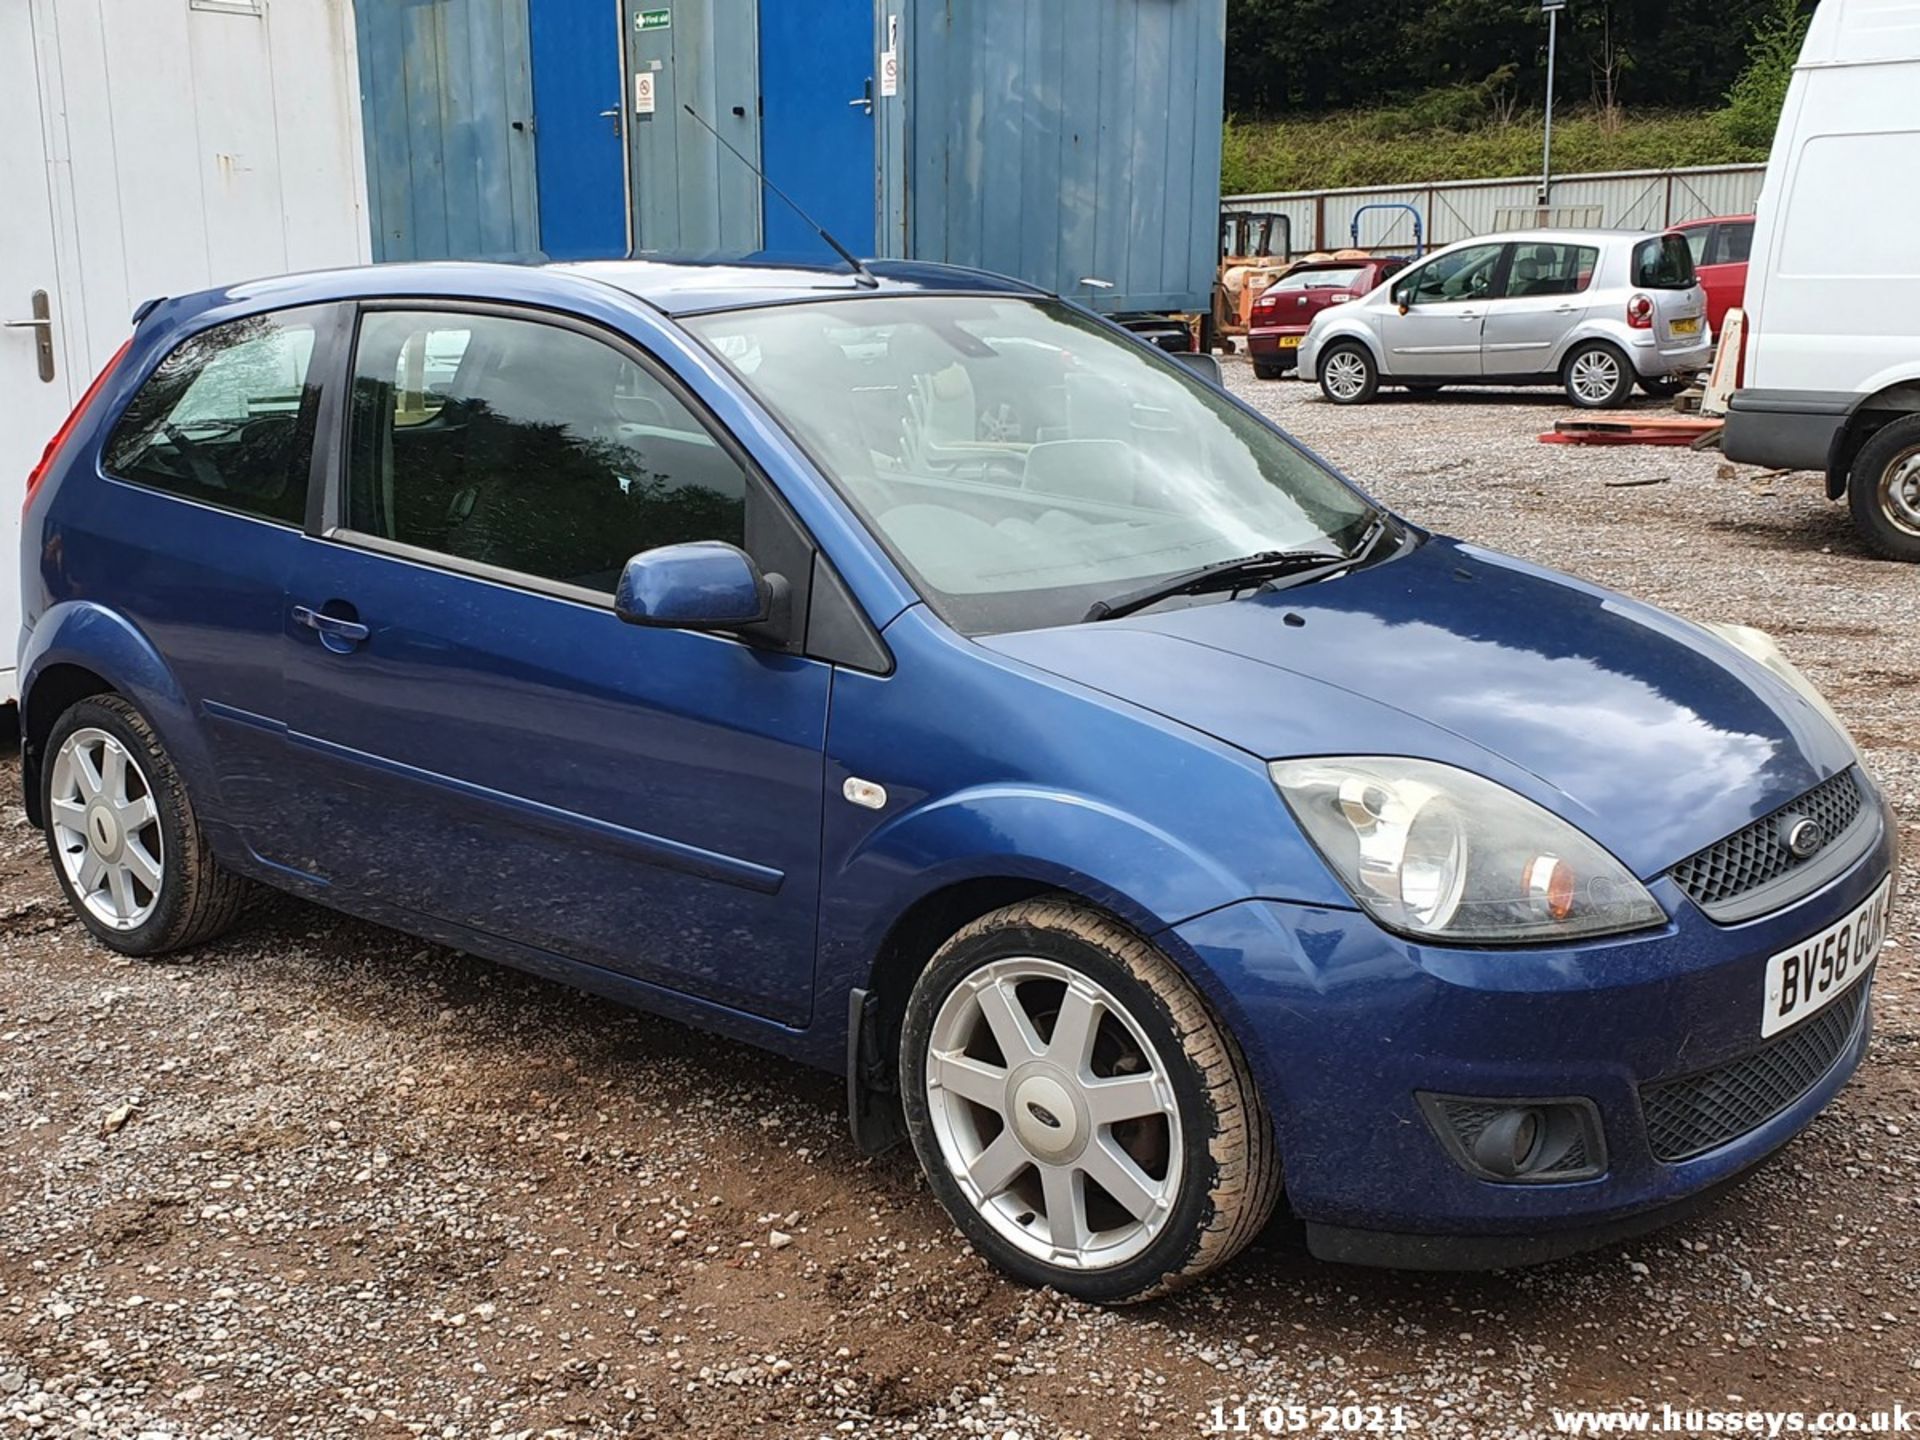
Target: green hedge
[{"x": 1415, "y": 143}]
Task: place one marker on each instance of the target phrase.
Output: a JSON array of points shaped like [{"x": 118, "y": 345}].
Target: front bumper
[{"x": 1346, "y": 1024}]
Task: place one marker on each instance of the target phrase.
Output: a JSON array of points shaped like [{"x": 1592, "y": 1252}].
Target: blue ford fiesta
[{"x": 908, "y": 672}]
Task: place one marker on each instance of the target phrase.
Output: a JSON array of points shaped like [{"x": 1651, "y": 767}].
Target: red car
[
  {"x": 1281, "y": 314},
  {"x": 1720, "y": 247}
]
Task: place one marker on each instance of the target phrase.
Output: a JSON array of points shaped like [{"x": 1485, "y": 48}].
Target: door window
[
  {"x": 228, "y": 417},
  {"x": 1462, "y": 275},
  {"x": 1540, "y": 268},
  {"x": 1732, "y": 243},
  {"x": 529, "y": 447},
  {"x": 1700, "y": 239}
]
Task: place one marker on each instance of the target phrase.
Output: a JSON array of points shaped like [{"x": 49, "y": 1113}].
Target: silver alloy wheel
[
  {"x": 106, "y": 827},
  {"x": 1595, "y": 375},
  {"x": 1900, "y": 492},
  {"x": 1054, "y": 1113},
  {"x": 1345, "y": 374}
]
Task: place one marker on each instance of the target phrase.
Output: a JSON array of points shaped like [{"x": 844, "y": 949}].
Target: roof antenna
[{"x": 860, "y": 272}]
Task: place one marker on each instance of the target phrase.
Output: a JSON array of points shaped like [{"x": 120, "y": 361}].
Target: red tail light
[
  {"x": 52, "y": 452},
  {"x": 1640, "y": 312}
]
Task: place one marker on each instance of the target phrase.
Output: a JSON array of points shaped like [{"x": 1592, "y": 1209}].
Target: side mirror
[
  {"x": 699, "y": 585},
  {"x": 1403, "y": 297},
  {"x": 1207, "y": 367}
]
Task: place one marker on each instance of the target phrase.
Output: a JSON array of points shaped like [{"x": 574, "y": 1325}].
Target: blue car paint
[
  {"x": 704, "y": 583},
  {"x": 1123, "y": 762}
]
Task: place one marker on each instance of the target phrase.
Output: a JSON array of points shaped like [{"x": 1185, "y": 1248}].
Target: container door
[
  {"x": 816, "y": 125},
  {"x": 33, "y": 367},
  {"x": 578, "y": 142},
  {"x": 448, "y": 113},
  {"x": 690, "y": 195}
]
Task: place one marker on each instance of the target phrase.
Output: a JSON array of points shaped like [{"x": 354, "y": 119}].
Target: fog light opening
[
  {"x": 1510, "y": 1142},
  {"x": 1520, "y": 1141}
]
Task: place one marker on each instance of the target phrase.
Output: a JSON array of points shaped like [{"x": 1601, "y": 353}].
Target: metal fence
[{"x": 1452, "y": 210}]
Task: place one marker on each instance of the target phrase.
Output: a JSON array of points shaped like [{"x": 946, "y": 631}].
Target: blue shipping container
[{"x": 1055, "y": 140}]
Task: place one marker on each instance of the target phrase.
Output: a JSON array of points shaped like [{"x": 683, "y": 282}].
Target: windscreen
[{"x": 1023, "y": 459}]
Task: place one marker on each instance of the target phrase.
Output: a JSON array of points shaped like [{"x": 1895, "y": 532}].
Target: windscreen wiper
[{"x": 1297, "y": 567}]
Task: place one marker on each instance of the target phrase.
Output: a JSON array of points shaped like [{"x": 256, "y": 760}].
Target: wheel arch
[
  {"x": 1867, "y": 418},
  {"x": 1360, "y": 335},
  {"x": 80, "y": 648}
]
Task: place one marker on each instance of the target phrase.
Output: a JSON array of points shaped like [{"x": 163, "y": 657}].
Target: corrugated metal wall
[
  {"x": 447, "y": 95},
  {"x": 1059, "y": 139},
  {"x": 1458, "y": 209}
]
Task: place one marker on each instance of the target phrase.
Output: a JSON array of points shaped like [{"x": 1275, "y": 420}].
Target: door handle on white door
[{"x": 42, "y": 326}]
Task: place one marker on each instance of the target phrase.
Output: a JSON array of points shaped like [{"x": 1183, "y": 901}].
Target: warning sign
[{"x": 643, "y": 82}]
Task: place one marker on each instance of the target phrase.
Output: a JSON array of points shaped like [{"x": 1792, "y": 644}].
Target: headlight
[
  {"x": 1758, "y": 645},
  {"x": 1439, "y": 853}
]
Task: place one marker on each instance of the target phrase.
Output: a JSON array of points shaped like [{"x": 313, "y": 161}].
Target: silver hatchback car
[{"x": 1591, "y": 310}]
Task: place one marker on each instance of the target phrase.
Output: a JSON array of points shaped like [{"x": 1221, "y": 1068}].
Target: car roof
[
  {"x": 685, "y": 287},
  {"x": 1553, "y": 236},
  {"x": 673, "y": 286},
  {"x": 1698, "y": 221}
]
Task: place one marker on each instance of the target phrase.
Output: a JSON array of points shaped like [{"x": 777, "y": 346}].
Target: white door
[{"x": 32, "y": 404}]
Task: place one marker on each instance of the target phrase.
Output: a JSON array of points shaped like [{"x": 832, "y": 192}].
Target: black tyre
[
  {"x": 125, "y": 845},
  {"x": 1078, "y": 1109},
  {"x": 1348, "y": 375},
  {"x": 1597, "y": 376},
  {"x": 1269, "y": 370},
  {"x": 1883, "y": 490}
]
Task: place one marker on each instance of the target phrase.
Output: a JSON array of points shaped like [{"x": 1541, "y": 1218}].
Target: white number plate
[{"x": 1821, "y": 968}]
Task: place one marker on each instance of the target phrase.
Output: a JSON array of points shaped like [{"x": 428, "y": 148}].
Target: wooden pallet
[{"x": 1637, "y": 430}]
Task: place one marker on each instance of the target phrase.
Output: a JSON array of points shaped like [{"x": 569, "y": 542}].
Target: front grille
[
  {"x": 1690, "y": 1116},
  {"x": 1750, "y": 858}
]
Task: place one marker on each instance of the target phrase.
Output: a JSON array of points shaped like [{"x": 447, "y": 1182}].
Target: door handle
[
  {"x": 339, "y": 636},
  {"x": 42, "y": 326}
]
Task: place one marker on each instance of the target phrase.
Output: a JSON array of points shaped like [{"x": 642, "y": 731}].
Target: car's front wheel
[
  {"x": 1079, "y": 1110},
  {"x": 126, "y": 846},
  {"x": 1598, "y": 376},
  {"x": 1348, "y": 375},
  {"x": 1883, "y": 490}
]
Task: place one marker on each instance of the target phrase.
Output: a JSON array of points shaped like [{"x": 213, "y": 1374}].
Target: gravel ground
[{"x": 322, "y": 1180}]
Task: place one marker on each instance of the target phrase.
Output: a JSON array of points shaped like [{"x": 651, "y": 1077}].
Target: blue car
[{"x": 911, "y": 673}]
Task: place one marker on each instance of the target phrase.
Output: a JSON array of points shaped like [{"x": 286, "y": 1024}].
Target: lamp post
[{"x": 1552, "y": 9}]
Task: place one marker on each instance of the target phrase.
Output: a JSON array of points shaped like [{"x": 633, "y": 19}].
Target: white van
[{"x": 1831, "y": 377}]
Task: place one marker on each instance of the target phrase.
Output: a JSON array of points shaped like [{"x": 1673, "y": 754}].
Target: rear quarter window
[
  {"x": 1664, "y": 263},
  {"x": 227, "y": 418}
]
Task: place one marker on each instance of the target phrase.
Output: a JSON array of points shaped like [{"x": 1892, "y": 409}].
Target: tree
[{"x": 1753, "y": 104}]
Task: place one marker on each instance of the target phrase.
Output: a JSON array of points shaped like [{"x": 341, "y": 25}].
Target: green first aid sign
[{"x": 653, "y": 20}]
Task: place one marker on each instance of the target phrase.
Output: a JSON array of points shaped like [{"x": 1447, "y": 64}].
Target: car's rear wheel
[
  {"x": 1665, "y": 387},
  {"x": 1348, "y": 375},
  {"x": 1883, "y": 490},
  {"x": 1080, "y": 1112},
  {"x": 1269, "y": 369},
  {"x": 126, "y": 846},
  {"x": 1597, "y": 376}
]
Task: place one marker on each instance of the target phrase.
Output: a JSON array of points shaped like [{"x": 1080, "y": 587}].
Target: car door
[
  {"x": 1722, "y": 266},
  {"x": 209, "y": 466},
  {"x": 1544, "y": 296},
  {"x": 478, "y": 739},
  {"x": 1446, "y": 305}
]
